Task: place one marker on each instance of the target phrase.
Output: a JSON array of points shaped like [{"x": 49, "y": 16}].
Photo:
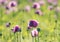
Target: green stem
[
  {"x": 14, "y": 37},
  {"x": 1, "y": 13},
  {"x": 17, "y": 37},
  {"x": 20, "y": 36},
  {"x": 32, "y": 39},
  {"x": 35, "y": 39},
  {"x": 28, "y": 34},
  {"x": 38, "y": 36}
]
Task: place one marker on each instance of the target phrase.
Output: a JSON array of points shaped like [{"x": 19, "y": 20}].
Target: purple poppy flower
[
  {"x": 27, "y": 8},
  {"x": 7, "y": 8},
  {"x": 50, "y": 7},
  {"x": 57, "y": 9},
  {"x": 39, "y": 12},
  {"x": 49, "y": 1},
  {"x": 8, "y": 24},
  {"x": 16, "y": 29},
  {"x": 33, "y": 23},
  {"x": 42, "y": 2},
  {"x": 55, "y": 2},
  {"x": 3, "y": 1},
  {"x": 34, "y": 33},
  {"x": 12, "y": 4},
  {"x": 36, "y": 5}
]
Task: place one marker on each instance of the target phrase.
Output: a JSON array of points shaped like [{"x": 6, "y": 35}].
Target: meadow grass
[{"x": 50, "y": 31}]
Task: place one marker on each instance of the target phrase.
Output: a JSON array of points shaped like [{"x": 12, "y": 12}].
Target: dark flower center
[
  {"x": 37, "y": 12},
  {"x": 34, "y": 6},
  {"x": 7, "y": 7},
  {"x": 33, "y": 24},
  {"x": 12, "y": 5}
]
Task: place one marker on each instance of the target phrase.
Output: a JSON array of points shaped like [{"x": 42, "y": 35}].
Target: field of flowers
[{"x": 29, "y": 20}]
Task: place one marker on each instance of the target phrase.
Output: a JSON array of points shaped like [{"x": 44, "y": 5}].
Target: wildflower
[
  {"x": 33, "y": 23},
  {"x": 16, "y": 29},
  {"x": 55, "y": 2},
  {"x": 12, "y": 5},
  {"x": 49, "y": 1},
  {"x": 41, "y": 2},
  {"x": 36, "y": 5},
  {"x": 8, "y": 24},
  {"x": 34, "y": 33},
  {"x": 39, "y": 12},
  {"x": 27, "y": 8},
  {"x": 3, "y": 2},
  {"x": 50, "y": 7}
]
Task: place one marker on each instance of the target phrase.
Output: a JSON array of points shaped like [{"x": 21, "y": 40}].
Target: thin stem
[
  {"x": 17, "y": 37},
  {"x": 14, "y": 37},
  {"x": 28, "y": 34},
  {"x": 35, "y": 39},
  {"x": 38, "y": 36},
  {"x": 1, "y": 13},
  {"x": 32, "y": 39},
  {"x": 49, "y": 17},
  {"x": 20, "y": 36}
]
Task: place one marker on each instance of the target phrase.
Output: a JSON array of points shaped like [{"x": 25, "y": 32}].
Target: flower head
[
  {"x": 49, "y": 1},
  {"x": 3, "y": 1},
  {"x": 16, "y": 29},
  {"x": 36, "y": 5},
  {"x": 34, "y": 33},
  {"x": 39, "y": 12},
  {"x": 41, "y": 2},
  {"x": 8, "y": 24},
  {"x": 50, "y": 7},
  {"x": 55, "y": 2},
  {"x": 27, "y": 8},
  {"x": 33, "y": 23},
  {"x": 12, "y": 4}
]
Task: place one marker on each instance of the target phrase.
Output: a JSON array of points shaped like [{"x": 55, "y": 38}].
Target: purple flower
[
  {"x": 10, "y": 7},
  {"x": 33, "y": 23},
  {"x": 3, "y": 1},
  {"x": 34, "y": 33},
  {"x": 7, "y": 8},
  {"x": 50, "y": 7},
  {"x": 49, "y": 1},
  {"x": 27, "y": 8},
  {"x": 8, "y": 24},
  {"x": 41, "y": 2},
  {"x": 12, "y": 4},
  {"x": 16, "y": 29},
  {"x": 36, "y": 5},
  {"x": 39, "y": 12},
  {"x": 55, "y": 2}
]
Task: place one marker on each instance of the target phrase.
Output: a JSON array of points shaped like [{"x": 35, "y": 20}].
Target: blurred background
[{"x": 21, "y": 12}]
